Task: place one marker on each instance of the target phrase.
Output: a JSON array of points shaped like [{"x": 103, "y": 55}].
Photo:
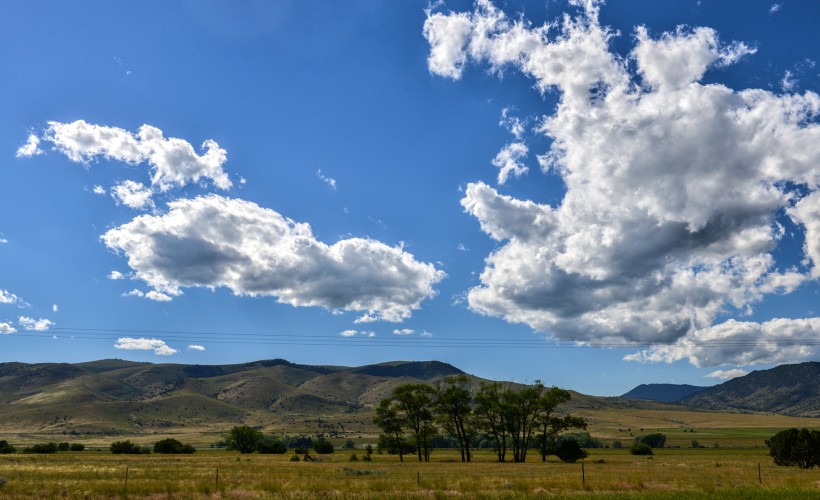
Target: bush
[
  {"x": 294, "y": 458},
  {"x": 244, "y": 439},
  {"x": 63, "y": 446},
  {"x": 42, "y": 448},
  {"x": 617, "y": 444},
  {"x": 349, "y": 444},
  {"x": 796, "y": 448},
  {"x": 77, "y": 447},
  {"x": 354, "y": 458},
  {"x": 272, "y": 445},
  {"x": 323, "y": 446},
  {"x": 569, "y": 451},
  {"x": 367, "y": 458},
  {"x": 2, "y": 482},
  {"x": 583, "y": 439},
  {"x": 5, "y": 447},
  {"x": 653, "y": 440},
  {"x": 171, "y": 446},
  {"x": 128, "y": 448},
  {"x": 639, "y": 448}
]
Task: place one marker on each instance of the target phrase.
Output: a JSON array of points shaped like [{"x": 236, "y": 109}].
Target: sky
[{"x": 596, "y": 195}]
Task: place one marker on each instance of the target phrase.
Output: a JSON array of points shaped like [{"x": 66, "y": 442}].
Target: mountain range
[{"x": 116, "y": 397}]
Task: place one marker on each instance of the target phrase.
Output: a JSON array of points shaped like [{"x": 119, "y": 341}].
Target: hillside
[
  {"x": 668, "y": 393},
  {"x": 787, "y": 390},
  {"x": 115, "y": 397}
]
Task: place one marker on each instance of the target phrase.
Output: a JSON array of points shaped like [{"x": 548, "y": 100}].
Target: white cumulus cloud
[
  {"x": 194, "y": 347},
  {"x": 508, "y": 160},
  {"x": 403, "y": 331},
  {"x": 159, "y": 347},
  {"x": 38, "y": 325},
  {"x": 173, "y": 162},
  {"x": 7, "y": 329},
  {"x": 672, "y": 189},
  {"x": 212, "y": 241},
  {"x": 7, "y": 297},
  {"x": 133, "y": 195}
]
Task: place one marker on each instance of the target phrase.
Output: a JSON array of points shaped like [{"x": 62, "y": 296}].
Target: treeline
[{"x": 514, "y": 419}]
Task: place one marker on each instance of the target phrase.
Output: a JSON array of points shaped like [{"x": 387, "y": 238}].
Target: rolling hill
[
  {"x": 668, "y": 393},
  {"x": 116, "y": 397}
]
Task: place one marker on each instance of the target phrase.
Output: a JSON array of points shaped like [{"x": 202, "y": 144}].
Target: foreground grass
[{"x": 669, "y": 474}]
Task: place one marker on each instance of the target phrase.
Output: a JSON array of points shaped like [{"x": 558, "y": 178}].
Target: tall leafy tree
[
  {"x": 491, "y": 416},
  {"x": 391, "y": 422},
  {"x": 552, "y": 424},
  {"x": 453, "y": 403},
  {"x": 414, "y": 403}
]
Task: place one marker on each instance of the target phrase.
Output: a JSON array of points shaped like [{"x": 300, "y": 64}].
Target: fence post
[
  {"x": 217, "y": 477},
  {"x": 126, "y": 479},
  {"x": 583, "y": 476},
  {"x": 759, "y": 477}
]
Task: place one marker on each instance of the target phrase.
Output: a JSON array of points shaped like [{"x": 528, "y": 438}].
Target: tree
[
  {"x": 523, "y": 409},
  {"x": 128, "y": 448},
  {"x": 391, "y": 423},
  {"x": 171, "y": 446},
  {"x": 414, "y": 403},
  {"x": 638, "y": 448},
  {"x": 551, "y": 424},
  {"x": 491, "y": 416},
  {"x": 796, "y": 448},
  {"x": 5, "y": 447},
  {"x": 653, "y": 440},
  {"x": 272, "y": 445},
  {"x": 570, "y": 451},
  {"x": 244, "y": 439},
  {"x": 453, "y": 403},
  {"x": 323, "y": 446}
]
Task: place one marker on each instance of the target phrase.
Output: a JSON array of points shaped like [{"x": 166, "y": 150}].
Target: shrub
[
  {"x": 77, "y": 447},
  {"x": 354, "y": 458},
  {"x": 128, "y": 448},
  {"x": 294, "y": 458},
  {"x": 796, "y": 448},
  {"x": 42, "y": 448},
  {"x": 272, "y": 445},
  {"x": 5, "y": 447},
  {"x": 63, "y": 446},
  {"x": 569, "y": 451},
  {"x": 653, "y": 440},
  {"x": 349, "y": 444},
  {"x": 638, "y": 448},
  {"x": 369, "y": 449},
  {"x": 323, "y": 446},
  {"x": 2, "y": 482},
  {"x": 617, "y": 444},
  {"x": 171, "y": 446},
  {"x": 244, "y": 439},
  {"x": 367, "y": 458}
]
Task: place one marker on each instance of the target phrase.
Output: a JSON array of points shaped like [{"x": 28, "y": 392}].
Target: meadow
[{"x": 670, "y": 473}]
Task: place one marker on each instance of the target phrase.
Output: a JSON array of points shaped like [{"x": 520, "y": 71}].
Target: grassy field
[{"x": 723, "y": 473}]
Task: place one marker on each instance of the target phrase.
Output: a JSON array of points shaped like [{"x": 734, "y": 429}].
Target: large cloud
[
  {"x": 672, "y": 189},
  {"x": 173, "y": 161},
  {"x": 214, "y": 241}
]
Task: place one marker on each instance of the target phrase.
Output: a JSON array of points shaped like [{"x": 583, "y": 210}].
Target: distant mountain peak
[{"x": 666, "y": 393}]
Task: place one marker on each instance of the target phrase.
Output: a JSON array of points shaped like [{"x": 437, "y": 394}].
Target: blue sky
[{"x": 595, "y": 195}]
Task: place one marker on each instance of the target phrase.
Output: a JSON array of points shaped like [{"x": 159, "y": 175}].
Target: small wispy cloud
[
  {"x": 30, "y": 148},
  {"x": 37, "y": 325},
  {"x": 404, "y": 331},
  {"x": 727, "y": 374},
  {"x": 775, "y": 7},
  {"x": 194, "y": 347},
  {"x": 354, "y": 333},
  {"x": 159, "y": 347},
  {"x": 327, "y": 180}
]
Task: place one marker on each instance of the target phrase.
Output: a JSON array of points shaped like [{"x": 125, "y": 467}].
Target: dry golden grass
[{"x": 722, "y": 473}]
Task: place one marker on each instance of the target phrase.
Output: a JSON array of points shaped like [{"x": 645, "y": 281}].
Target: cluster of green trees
[
  {"x": 796, "y": 448},
  {"x": 513, "y": 418},
  {"x": 6, "y": 447},
  {"x": 246, "y": 439}
]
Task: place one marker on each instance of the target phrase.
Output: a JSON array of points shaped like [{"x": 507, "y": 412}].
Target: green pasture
[{"x": 670, "y": 473}]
